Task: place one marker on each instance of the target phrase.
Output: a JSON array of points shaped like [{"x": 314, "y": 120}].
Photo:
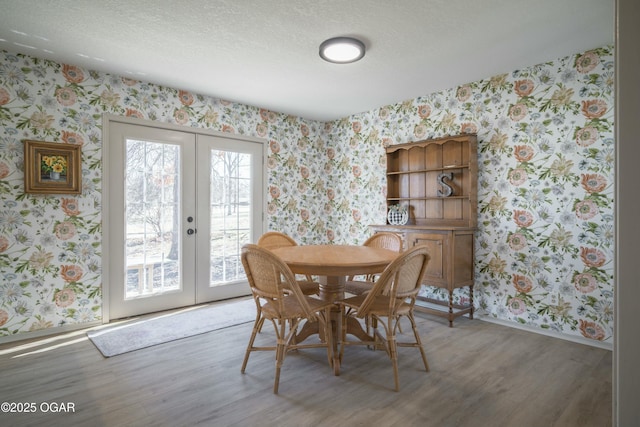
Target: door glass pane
[
  {"x": 230, "y": 214},
  {"x": 152, "y": 218}
]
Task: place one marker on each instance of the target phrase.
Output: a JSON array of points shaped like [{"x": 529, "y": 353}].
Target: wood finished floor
[{"x": 482, "y": 374}]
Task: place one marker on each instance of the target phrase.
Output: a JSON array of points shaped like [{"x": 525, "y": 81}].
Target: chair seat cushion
[
  {"x": 309, "y": 287},
  {"x": 292, "y": 308},
  {"x": 358, "y": 287},
  {"x": 379, "y": 307}
]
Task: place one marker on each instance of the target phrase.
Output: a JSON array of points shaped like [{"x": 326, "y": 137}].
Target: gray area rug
[{"x": 142, "y": 333}]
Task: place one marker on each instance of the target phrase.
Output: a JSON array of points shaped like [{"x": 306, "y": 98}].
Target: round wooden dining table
[{"x": 333, "y": 264}]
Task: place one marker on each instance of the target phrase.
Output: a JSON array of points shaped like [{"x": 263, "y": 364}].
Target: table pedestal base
[{"x": 332, "y": 289}]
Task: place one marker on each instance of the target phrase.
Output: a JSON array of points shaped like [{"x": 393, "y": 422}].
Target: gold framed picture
[{"x": 52, "y": 168}]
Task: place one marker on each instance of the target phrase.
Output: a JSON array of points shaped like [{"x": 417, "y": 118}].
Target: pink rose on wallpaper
[
  {"x": 185, "y": 97},
  {"x": 271, "y": 162},
  {"x": 331, "y": 235},
  {"x": 70, "y": 206},
  {"x": 586, "y": 209},
  {"x": 518, "y": 112},
  {"x": 71, "y": 273},
  {"x": 462, "y": 93},
  {"x": 523, "y": 153},
  {"x": 517, "y": 241},
  {"x": 591, "y": 330},
  {"x": 424, "y": 111},
  {"x": 274, "y": 146},
  {"x": 304, "y": 214},
  {"x": 518, "y": 176},
  {"x": 181, "y": 115},
  {"x": 4, "y": 96},
  {"x": 331, "y": 194},
  {"x": 304, "y": 130},
  {"x": 65, "y": 230},
  {"x": 129, "y": 82},
  {"x": 72, "y": 138},
  {"x": 304, "y": 172},
  {"x": 268, "y": 116},
  {"x": 522, "y": 283},
  {"x": 328, "y": 168},
  {"x": 592, "y": 257},
  {"x": 228, "y": 129},
  {"x": 523, "y": 87},
  {"x": 331, "y": 153},
  {"x": 468, "y": 127},
  {"x": 274, "y": 191},
  {"x": 65, "y": 297},
  {"x": 357, "y": 216},
  {"x": 587, "y": 136},
  {"x": 72, "y": 73},
  {"x": 593, "y": 182},
  {"x": 357, "y": 127},
  {"x": 587, "y": 62},
  {"x": 356, "y": 170},
  {"x": 131, "y": 112},
  {"x": 4, "y": 170},
  {"x": 4, "y": 317},
  {"x": 272, "y": 208},
  {"x": 594, "y": 108},
  {"x": 585, "y": 282},
  {"x": 420, "y": 130},
  {"x": 4, "y": 244},
  {"x": 261, "y": 129},
  {"x": 522, "y": 218},
  {"x": 516, "y": 306}
]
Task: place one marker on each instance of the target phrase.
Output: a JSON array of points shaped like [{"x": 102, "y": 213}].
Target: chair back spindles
[
  {"x": 279, "y": 299},
  {"x": 273, "y": 240},
  {"x": 391, "y": 297}
]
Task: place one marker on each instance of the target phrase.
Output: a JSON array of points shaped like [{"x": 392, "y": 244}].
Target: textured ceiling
[{"x": 265, "y": 53}]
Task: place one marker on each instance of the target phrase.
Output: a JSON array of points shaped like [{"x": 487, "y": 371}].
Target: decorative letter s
[{"x": 447, "y": 190}]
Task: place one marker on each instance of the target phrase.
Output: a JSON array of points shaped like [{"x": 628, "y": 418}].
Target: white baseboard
[
  {"x": 480, "y": 316},
  {"x": 48, "y": 332},
  {"x": 579, "y": 340}
]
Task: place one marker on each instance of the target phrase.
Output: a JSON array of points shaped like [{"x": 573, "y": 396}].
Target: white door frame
[{"x": 107, "y": 119}]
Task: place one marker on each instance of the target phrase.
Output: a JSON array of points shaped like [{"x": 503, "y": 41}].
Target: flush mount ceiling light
[{"x": 342, "y": 50}]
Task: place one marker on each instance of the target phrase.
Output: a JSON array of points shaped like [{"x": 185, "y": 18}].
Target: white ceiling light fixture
[{"x": 342, "y": 50}]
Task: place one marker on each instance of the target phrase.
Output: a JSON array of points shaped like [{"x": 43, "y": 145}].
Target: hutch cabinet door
[{"x": 438, "y": 244}]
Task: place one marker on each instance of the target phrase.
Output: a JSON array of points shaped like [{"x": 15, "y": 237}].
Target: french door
[{"x": 181, "y": 205}]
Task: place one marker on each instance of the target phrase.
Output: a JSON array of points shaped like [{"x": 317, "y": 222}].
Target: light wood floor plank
[{"x": 482, "y": 374}]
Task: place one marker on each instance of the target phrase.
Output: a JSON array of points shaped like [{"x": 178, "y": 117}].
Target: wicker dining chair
[
  {"x": 275, "y": 239},
  {"x": 392, "y": 297},
  {"x": 279, "y": 299},
  {"x": 385, "y": 240}
]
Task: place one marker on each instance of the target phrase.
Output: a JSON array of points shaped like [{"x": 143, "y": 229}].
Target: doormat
[{"x": 143, "y": 333}]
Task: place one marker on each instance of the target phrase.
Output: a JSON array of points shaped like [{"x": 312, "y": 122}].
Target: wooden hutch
[{"x": 436, "y": 181}]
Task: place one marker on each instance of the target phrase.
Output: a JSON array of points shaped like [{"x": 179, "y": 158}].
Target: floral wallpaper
[{"x": 544, "y": 247}]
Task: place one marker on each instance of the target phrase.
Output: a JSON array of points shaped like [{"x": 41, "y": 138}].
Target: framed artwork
[{"x": 52, "y": 168}]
